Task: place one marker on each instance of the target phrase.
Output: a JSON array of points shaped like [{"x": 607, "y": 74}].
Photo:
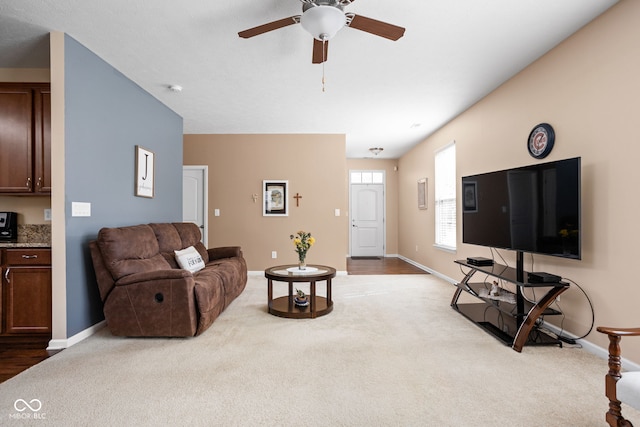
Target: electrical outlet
[
  {"x": 47, "y": 214},
  {"x": 274, "y": 254},
  {"x": 416, "y": 248}
]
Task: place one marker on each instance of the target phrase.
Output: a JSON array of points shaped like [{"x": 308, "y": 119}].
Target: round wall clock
[{"x": 541, "y": 140}]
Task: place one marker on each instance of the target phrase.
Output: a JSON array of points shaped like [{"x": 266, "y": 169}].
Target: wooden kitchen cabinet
[
  {"x": 25, "y": 138},
  {"x": 42, "y": 140},
  {"x": 26, "y": 292}
]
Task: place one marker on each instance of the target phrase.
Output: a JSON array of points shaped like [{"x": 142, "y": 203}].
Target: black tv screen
[{"x": 530, "y": 209}]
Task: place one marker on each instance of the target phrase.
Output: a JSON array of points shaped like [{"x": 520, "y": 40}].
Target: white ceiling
[{"x": 379, "y": 93}]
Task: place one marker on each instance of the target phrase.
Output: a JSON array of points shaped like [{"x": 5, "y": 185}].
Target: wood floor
[
  {"x": 17, "y": 358},
  {"x": 381, "y": 266}
]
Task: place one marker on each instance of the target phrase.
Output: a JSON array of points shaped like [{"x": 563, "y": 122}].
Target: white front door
[
  {"x": 367, "y": 220},
  {"x": 194, "y": 197}
]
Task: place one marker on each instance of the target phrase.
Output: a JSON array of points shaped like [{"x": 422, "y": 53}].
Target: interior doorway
[
  {"x": 367, "y": 213},
  {"x": 195, "y": 197}
]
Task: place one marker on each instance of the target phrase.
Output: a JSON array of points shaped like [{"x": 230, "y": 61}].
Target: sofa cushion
[
  {"x": 202, "y": 250},
  {"x": 191, "y": 235},
  {"x": 168, "y": 238},
  {"x": 210, "y": 297},
  {"x": 128, "y": 250},
  {"x": 189, "y": 259}
]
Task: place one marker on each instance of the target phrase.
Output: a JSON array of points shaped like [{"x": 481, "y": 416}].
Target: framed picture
[
  {"x": 469, "y": 197},
  {"x": 422, "y": 193},
  {"x": 145, "y": 170},
  {"x": 275, "y": 198}
]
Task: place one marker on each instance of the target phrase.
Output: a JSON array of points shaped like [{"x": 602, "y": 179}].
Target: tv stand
[{"x": 512, "y": 323}]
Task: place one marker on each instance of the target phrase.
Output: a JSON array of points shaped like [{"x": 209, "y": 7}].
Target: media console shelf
[{"x": 512, "y": 323}]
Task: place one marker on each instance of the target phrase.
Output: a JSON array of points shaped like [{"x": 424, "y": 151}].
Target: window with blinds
[{"x": 445, "y": 197}]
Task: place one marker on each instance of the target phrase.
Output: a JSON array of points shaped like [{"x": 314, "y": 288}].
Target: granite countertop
[
  {"x": 9, "y": 245},
  {"x": 31, "y": 236}
]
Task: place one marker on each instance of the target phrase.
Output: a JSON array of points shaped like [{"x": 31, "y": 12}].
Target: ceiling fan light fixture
[{"x": 323, "y": 22}]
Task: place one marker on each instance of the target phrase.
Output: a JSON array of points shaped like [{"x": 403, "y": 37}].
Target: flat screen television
[{"x": 527, "y": 209}]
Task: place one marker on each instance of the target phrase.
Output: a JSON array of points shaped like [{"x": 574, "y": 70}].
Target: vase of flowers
[{"x": 302, "y": 242}]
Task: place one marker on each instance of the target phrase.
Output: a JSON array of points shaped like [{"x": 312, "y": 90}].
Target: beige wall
[
  {"x": 30, "y": 209},
  {"x": 390, "y": 167},
  {"x": 588, "y": 89},
  {"x": 314, "y": 165},
  {"x": 25, "y": 75}
]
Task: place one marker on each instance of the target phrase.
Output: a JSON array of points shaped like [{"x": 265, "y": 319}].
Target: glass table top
[{"x": 295, "y": 271}]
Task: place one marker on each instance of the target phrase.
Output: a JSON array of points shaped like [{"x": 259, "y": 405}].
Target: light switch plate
[{"x": 80, "y": 209}]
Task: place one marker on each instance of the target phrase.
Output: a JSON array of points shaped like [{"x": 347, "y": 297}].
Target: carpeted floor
[{"x": 386, "y": 356}]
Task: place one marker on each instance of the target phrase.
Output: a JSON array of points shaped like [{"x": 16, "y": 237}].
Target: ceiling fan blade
[
  {"x": 379, "y": 28},
  {"x": 265, "y": 28},
  {"x": 340, "y": 2},
  {"x": 320, "y": 54}
]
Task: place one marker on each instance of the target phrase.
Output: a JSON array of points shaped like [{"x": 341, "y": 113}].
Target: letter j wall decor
[{"x": 145, "y": 169}]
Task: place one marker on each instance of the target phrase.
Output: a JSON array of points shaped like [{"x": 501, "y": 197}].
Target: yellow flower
[{"x": 302, "y": 241}]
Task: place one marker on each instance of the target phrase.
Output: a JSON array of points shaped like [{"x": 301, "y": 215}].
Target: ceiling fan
[{"x": 323, "y": 19}]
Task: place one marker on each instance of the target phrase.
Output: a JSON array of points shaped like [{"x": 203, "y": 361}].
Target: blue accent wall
[{"x": 106, "y": 116}]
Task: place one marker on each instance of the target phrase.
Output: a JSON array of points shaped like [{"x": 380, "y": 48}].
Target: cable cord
[
  {"x": 500, "y": 255},
  {"x": 593, "y": 314}
]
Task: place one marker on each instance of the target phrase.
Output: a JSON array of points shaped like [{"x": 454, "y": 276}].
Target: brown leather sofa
[{"x": 146, "y": 293}]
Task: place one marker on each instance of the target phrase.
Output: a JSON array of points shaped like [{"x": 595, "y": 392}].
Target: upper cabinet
[
  {"x": 25, "y": 138},
  {"x": 42, "y": 134}
]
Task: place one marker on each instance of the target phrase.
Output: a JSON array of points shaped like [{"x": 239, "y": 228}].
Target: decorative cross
[{"x": 297, "y": 197}]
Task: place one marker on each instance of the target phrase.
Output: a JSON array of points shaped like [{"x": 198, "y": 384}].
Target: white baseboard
[
  {"x": 428, "y": 270},
  {"x": 602, "y": 353},
  {"x": 66, "y": 343}
]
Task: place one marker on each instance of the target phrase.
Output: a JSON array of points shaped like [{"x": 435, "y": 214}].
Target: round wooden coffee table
[{"x": 285, "y": 306}]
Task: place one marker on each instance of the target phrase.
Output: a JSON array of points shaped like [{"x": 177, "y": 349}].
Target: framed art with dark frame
[
  {"x": 469, "y": 197},
  {"x": 275, "y": 198},
  {"x": 145, "y": 171}
]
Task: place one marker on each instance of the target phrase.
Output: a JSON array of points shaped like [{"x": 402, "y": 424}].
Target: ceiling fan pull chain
[
  {"x": 323, "y": 76},
  {"x": 324, "y": 60}
]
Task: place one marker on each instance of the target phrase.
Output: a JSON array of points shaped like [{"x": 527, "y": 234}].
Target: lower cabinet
[{"x": 26, "y": 292}]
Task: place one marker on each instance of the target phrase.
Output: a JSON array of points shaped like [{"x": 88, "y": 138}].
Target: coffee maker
[{"x": 8, "y": 227}]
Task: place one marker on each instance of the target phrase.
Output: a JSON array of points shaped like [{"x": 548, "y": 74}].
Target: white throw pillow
[{"x": 190, "y": 259}]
